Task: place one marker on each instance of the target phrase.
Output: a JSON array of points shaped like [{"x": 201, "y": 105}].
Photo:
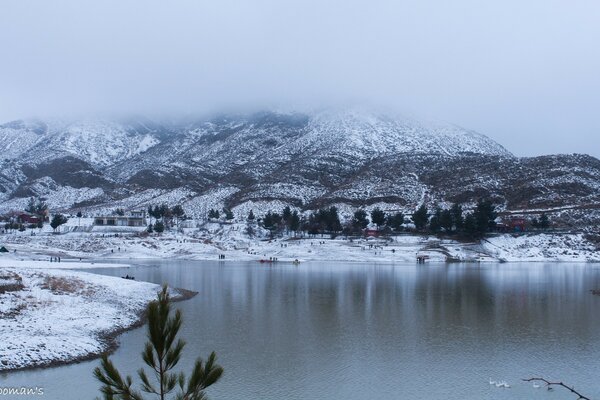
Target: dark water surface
[{"x": 364, "y": 331}]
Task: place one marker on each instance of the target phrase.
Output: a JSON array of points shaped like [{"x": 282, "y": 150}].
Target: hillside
[{"x": 349, "y": 158}]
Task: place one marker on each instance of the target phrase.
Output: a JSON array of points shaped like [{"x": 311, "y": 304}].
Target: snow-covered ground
[
  {"x": 50, "y": 315},
  {"x": 542, "y": 247},
  {"x": 234, "y": 242}
]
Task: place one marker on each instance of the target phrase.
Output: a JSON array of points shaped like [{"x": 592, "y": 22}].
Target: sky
[{"x": 525, "y": 73}]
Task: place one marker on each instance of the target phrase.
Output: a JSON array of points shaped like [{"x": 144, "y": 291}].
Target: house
[
  {"x": 23, "y": 217},
  {"x": 133, "y": 218},
  {"x": 514, "y": 224}
]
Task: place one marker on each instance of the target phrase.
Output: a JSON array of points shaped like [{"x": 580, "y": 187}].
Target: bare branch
[{"x": 549, "y": 384}]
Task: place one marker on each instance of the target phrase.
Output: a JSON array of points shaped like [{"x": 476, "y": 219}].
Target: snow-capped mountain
[{"x": 348, "y": 158}]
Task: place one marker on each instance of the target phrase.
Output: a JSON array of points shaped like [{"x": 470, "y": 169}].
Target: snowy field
[
  {"x": 50, "y": 316},
  {"x": 210, "y": 240}
]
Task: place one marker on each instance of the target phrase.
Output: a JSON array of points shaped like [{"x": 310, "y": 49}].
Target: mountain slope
[{"x": 349, "y": 157}]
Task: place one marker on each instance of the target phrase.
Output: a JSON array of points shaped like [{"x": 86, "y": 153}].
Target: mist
[{"x": 523, "y": 73}]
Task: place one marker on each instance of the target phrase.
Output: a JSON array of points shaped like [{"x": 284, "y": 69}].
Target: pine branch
[{"x": 549, "y": 384}]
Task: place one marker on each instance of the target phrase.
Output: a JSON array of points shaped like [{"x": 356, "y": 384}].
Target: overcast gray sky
[{"x": 526, "y": 73}]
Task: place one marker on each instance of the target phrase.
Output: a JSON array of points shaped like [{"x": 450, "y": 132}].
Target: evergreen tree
[
  {"x": 446, "y": 221},
  {"x": 470, "y": 225},
  {"x": 150, "y": 228},
  {"x": 396, "y": 221},
  {"x": 420, "y": 217},
  {"x": 485, "y": 216},
  {"x": 457, "y": 217},
  {"x": 58, "y": 220},
  {"x": 178, "y": 211},
  {"x": 294, "y": 222},
  {"x": 271, "y": 221},
  {"x": 434, "y": 222},
  {"x": 162, "y": 353},
  {"x": 333, "y": 220},
  {"x": 360, "y": 220},
  {"x": 544, "y": 221},
  {"x": 286, "y": 214},
  {"x": 213, "y": 214},
  {"x": 251, "y": 216},
  {"x": 378, "y": 217},
  {"x": 159, "y": 227}
]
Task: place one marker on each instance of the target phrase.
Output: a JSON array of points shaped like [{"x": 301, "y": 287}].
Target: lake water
[{"x": 364, "y": 331}]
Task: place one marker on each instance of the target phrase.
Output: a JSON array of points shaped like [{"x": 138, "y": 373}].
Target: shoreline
[
  {"x": 231, "y": 243},
  {"x": 56, "y": 316},
  {"x": 110, "y": 339}
]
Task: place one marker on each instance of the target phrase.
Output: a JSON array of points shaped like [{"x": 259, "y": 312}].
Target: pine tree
[
  {"x": 213, "y": 214},
  {"x": 360, "y": 220},
  {"x": 294, "y": 222},
  {"x": 269, "y": 221},
  {"x": 333, "y": 220},
  {"x": 446, "y": 221},
  {"x": 286, "y": 214},
  {"x": 485, "y": 216},
  {"x": 544, "y": 221},
  {"x": 470, "y": 225},
  {"x": 396, "y": 221},
  {"x": 457, "y": 217},
  {"x": 159, "y": 227},
  {"x": 251, "y": 216},
  {"x": 434, "y": 222},
  {"x": 178, "y": 212},
  {"x": 162, "y": 353},
  {"x": 420, "y": 217},
  {"x": 378, "y": 217},
  {"x": 58, "y": 220}
]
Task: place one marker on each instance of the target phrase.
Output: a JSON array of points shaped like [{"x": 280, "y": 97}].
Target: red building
[
  {"x": 515, "y": 224},
  {"x": 27, "y": 218},
  {"x": 371, "y": 232}
]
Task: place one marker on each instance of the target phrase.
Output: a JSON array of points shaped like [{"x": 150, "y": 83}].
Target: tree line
[
  {"x": 454, "y": 220},
  {"x": 164, "y": 217}
]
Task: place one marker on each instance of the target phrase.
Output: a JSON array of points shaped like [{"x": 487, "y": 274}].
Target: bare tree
[{"x": 550, "y": 384}]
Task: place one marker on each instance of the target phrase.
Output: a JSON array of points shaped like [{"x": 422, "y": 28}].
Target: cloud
[{"x": 525, "y": 73}]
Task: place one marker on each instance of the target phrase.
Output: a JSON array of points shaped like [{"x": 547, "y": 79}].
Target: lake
[{"x": 365, "y": 331}]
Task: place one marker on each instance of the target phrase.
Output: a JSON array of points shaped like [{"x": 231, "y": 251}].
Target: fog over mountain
[
  {"x": 523, "y": 73},
  {"x": 348, "y": 158}
]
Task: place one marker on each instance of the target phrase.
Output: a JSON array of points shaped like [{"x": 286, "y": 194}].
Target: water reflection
[{"x": 357, "y": 331}]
